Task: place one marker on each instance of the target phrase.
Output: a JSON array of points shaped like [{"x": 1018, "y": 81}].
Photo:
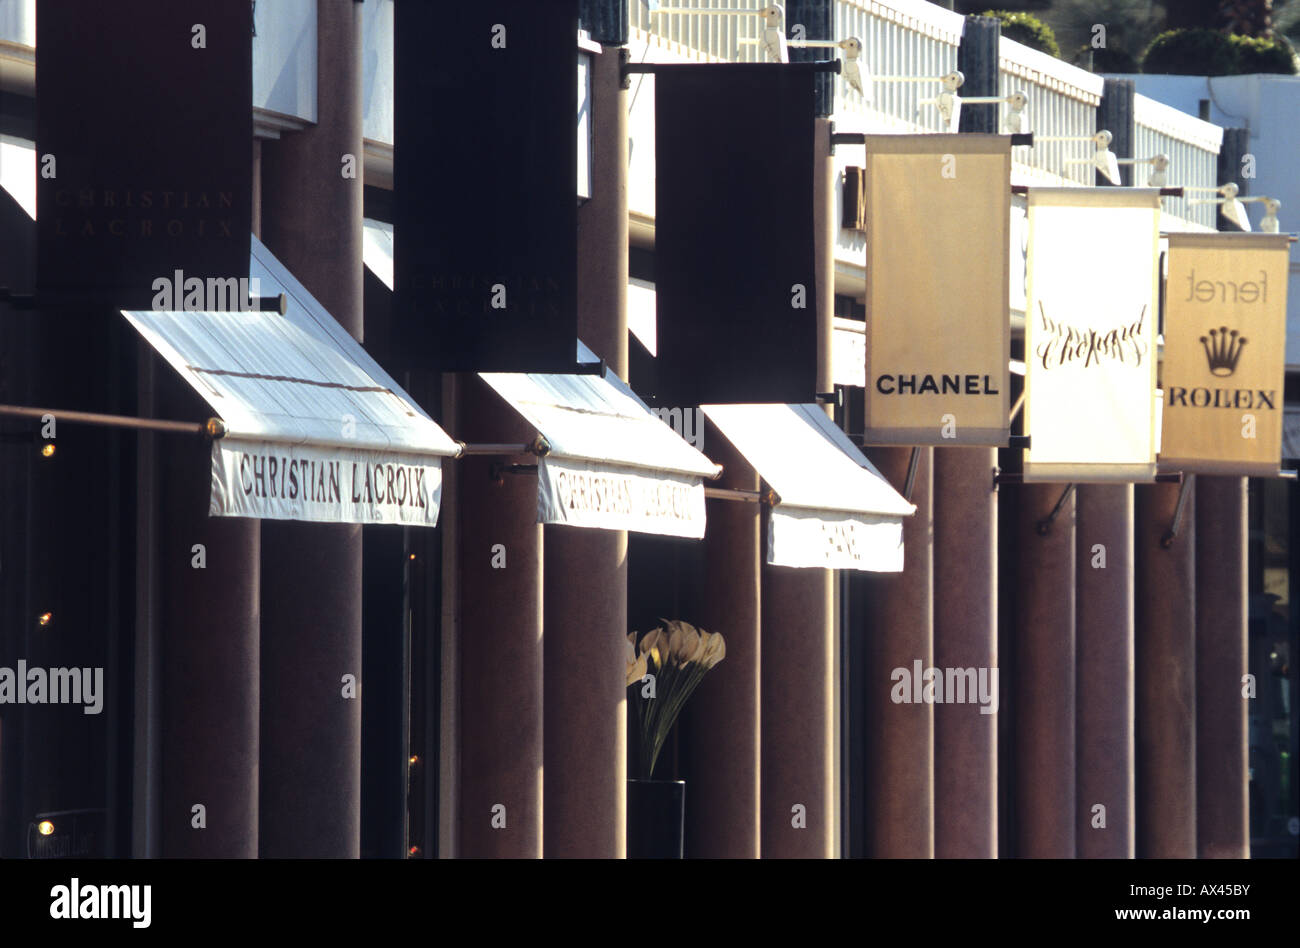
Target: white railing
[
  {"x": 698, "y": 38},
  {"x": 1193, "y": 150},
  {"x": 1063, "y": 101},
  {"x": 907, "y": 38}
]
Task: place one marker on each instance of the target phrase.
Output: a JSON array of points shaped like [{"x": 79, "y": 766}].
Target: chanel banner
[
  {"x": 1090, "y": 355},
  {"x": 1225, "y": 353},
  {"x": 938, "y": 265}
]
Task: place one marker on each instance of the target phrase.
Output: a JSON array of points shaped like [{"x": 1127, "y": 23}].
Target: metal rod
[
  {"x": 213, "y": 427},
  {"x": 1020, "y": 403},
  {"x": 1164, "y": 192},
  {"x": 470, "y": 450},
  {"x": 1171, "y": 534},
  {"x": 538, "y": 446},
  {"x": 912, "y": 464},
  {"x": 822, "y": 65},
  {"x": 1045, "y": 525},
  {"x": 1168, "y": 477},
  {"x": 733, "y": 494}
]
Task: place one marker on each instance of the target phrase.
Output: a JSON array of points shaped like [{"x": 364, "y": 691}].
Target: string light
[
  {"x": 45, "y": 827},
  {"x": 47, "y": 450},
  {"x": 45, "y": 618}
]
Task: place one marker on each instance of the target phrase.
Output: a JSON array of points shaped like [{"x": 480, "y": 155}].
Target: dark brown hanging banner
[
  {"x": 485, "y": 185},
  {"x": 144, "y": 129},
  {"x": 734, "y": 260}
]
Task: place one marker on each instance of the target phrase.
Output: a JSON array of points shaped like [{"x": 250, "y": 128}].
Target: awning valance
[
  {"x": 612, "y": 464},
  {"x": 835, "y": 510},
  {"x": 315, "y": 428}
]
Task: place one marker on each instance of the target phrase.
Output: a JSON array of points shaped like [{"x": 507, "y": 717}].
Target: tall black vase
[{"x": 656, "y": 819}]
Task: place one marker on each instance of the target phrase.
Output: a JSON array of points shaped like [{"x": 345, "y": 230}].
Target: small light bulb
[
  {"x": 414, "y": 760},
  {"x": 47, "y": 450},
  {"x": 412, "y": 556},
  {"x": 45, "y": 827},
  {"x": 45, "y": 618},
  {"x": 414, "y": 851}
]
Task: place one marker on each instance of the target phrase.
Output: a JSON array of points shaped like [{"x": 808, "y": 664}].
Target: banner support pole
[{"x": 1171, "y": 534}]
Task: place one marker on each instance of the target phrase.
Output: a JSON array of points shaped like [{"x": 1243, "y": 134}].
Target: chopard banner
[
  {"x": 834, "y": 540},
  {"x": 322, "y": 484},
  {"x": 1225, "y": 353},
  {"x": 583, "y": 494},
  {"x": 1090, "y": 354},
  {"x": 938, "y": 265}
]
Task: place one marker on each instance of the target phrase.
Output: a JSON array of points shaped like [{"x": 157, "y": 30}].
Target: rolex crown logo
[{"x": 1222, "y": 350}]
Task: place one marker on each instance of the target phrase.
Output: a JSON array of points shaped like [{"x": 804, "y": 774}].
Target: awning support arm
[
  {"x": 912, "y": 464},
  {"x": 1171, "y": 534},
  {"x": 1045, "y": 525},
  {"x": 538, "y": 446},
  {"x": 768, "y": 498},
  {"x": 213, "y": 428}
]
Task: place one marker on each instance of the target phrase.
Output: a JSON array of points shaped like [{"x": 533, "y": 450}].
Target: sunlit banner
[
  {"x": 1225, "y": 353},
  {"x": 938, "y": 216},
  {"x": 1090, "y": 353}
]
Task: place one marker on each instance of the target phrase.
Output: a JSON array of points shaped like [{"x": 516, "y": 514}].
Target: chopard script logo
[{"x": 1065, "y": 344}]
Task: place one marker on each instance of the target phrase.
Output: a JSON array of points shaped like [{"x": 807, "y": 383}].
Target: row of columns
[{"x": 1119, "y": 671}]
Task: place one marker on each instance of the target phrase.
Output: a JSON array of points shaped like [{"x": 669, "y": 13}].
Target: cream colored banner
[
  {"x": 1090, "y": 353},
  {"x": 938, "y": 236},
  {"x": 1225, "y": 353}
]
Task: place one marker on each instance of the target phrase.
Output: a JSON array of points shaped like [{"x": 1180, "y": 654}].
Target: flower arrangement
[{"x": 670, "y": 663}]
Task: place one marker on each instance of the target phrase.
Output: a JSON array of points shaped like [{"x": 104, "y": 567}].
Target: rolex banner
[
  {"x": 938, "y": 216},
  {"x": 1225, "y": 353},
  {"x": 1090, "y": 354}
]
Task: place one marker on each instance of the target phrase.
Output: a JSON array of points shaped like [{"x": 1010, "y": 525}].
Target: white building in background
[{"x": 1269, "y": 106}]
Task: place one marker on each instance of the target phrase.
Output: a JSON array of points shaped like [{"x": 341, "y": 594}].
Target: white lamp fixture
[
  {"x": 1015, "y": 121},
  {"x": 1229, "y": 206},
  {"x": 850, "y": 63},
  {"x": 772, "y": 15},
  {"x": 1269, "y": 224},
  {"x": 1103, "y": 159},
  {"x": 1159, "y": 176}
]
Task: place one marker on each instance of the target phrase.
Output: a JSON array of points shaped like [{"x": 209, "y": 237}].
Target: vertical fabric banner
[
  {"x": 1090, "y": 353},
  {"x": 485, "y": 199},
  {"x": 1225, "y": 353},
  {"x": 938, "y": 277},
  {"x": 735, "y": 277},
  {"x": 144, "y": 146}
]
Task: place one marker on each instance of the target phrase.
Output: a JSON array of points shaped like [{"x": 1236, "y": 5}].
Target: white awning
[
  {"x": 612, "y": 463},
  {"x": 316, "y": 430},
  {"x": 18, "y": 171},
  {"x": 835, "y": 510},
  {"x": 377, "y": 250}
]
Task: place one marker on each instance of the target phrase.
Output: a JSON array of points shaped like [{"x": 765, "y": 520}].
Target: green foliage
[
  {"x": 1202, "y": 52},
  {"x": 1258, "y": 54},
  {"x": 1027, "y": 29}
]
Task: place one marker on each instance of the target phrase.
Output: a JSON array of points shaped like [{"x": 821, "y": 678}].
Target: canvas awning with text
[
  {"x": 833, "y": 508},
  {"x": 611, "y": 464},
  {"x": 315, "y": 429}
]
